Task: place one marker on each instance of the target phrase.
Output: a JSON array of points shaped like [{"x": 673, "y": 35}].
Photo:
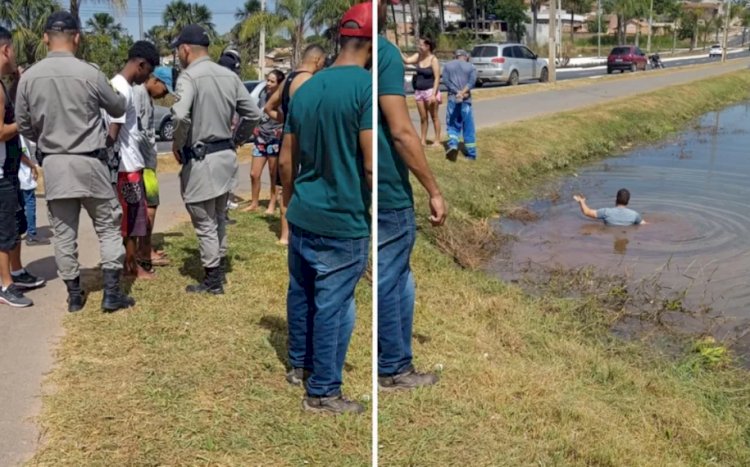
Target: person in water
[{"x": 620, "y": 215}]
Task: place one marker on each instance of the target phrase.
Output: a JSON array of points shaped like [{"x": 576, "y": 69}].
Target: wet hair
[
  {"x": 312, "y": 50},
  {"x": 349, "y": 41},
  {"x": 5, "y": 36},
  {"x": 430, "y": 43},
  {"x": 623, "y": 197},
  {"x": 144, "y": 50},
  {"x": 278, "y": 74}
]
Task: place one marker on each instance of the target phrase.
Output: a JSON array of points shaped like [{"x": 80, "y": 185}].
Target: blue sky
[{"x": 223, "y": 13}]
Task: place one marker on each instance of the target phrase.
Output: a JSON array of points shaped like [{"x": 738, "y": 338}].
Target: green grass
[
  {"x": 541, "y": 380},
  {"x": 183, "y": 380}
]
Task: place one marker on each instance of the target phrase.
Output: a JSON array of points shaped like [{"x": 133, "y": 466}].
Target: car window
[
  {"x": 639, "y": 52},
  {"x": 620, "y": 51},
  {"x": 517, "y": 52},
  {"x": 526, "y": 53},
  {"x": 508, "y": 52},
  {"x": 484, "y": 51}
]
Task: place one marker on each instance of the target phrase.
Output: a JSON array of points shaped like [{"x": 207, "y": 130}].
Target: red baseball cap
[{"x": 361, "y": 15}]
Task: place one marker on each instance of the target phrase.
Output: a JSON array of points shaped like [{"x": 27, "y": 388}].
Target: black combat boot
[
  {"x": 76, "y": 297},
  {"x": 224, "y": 267},
  {"x": 114, "y": 299},
  {"x": 211, "y": 283}
]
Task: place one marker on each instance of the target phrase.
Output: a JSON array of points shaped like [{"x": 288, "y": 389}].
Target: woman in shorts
[
  {"x": 426, "y": 84},
  {"x": 267, "y": 144}
]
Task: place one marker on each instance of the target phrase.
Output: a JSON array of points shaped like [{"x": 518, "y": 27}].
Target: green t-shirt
[
  {"x": 331, "y": 197},
  {"x": 394, "y": 189}
]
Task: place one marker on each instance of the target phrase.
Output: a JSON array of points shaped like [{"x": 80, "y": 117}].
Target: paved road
[{"x": 28, "y": 336}]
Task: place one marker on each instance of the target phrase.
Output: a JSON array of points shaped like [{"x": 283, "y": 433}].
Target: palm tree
[
  {"x": 27, "y": 18},
  {"x": 576, "y": 7},
  {"x": 179, "y": 14},
  {"x": 250, "y": 8},
  {"x": 159, "y": 35},
  {"x": 292, "y": 17},
  {"x": 75, "y": 6},
  {"x": 327, "y": 14},
  {"x": 105, "y": 24}
]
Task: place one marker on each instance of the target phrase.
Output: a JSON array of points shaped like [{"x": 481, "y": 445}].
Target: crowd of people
[{"x": 95, "y": 139}]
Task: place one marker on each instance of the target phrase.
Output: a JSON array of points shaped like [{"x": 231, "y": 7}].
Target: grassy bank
[
  {"x": 183, "y": 380},
  {"x": 540, "y": 380}
]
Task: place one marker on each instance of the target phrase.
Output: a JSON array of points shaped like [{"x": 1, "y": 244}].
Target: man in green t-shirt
[
  {"x": 328, "y": 135},
  {"x": 399, "y": 151}
]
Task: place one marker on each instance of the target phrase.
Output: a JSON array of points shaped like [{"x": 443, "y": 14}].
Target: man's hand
[
  {"x": 35, "y": 172},
  {"x": 438, "y": 210},
  {"x": 579, "y": 198},
  {"x": 176, "y": 153}
]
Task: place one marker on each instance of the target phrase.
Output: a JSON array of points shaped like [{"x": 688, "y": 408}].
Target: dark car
[
  {"x": 163, "y": 123},
  {"x": 626, "y": 57}
]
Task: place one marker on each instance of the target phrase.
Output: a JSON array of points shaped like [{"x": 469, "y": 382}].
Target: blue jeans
[
  {"x": 323, "y": 273},
  {"x": 396, "y": 237},
  {"x": 460, "y": 121},
  {"x": 29, "y": 202}
]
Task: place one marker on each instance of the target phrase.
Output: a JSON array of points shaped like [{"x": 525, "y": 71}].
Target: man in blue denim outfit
[
  {"x": 460, "y": 77},
  {"x": 328, "y": 135},
  {"x": 399, "y": 151}
]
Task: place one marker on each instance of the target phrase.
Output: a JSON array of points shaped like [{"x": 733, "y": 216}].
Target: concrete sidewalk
[
  {"x": 28, "y": 336},
  {"x": 507, "y": 109}
]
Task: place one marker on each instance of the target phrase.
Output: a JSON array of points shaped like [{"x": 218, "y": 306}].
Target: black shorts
[{"x": 12, "y": 216}]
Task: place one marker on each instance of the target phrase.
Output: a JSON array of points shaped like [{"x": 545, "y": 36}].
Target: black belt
[
  {"x": 100, "y": 154},
  {"x": 200, "y": 150}
]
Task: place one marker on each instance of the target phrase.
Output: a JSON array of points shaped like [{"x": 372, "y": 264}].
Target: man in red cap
[
  {"x": 399, "y": 151},
  {"x": 328, "y": 135}
]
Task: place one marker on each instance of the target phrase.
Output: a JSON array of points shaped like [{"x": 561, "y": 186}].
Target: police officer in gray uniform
[
  {"x": 208, "y": 97},
  {"x": 59, "y": 106}
]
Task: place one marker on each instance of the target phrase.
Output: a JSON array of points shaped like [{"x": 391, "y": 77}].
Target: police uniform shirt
[
  {"x": 59, "y": 106},
  {"x": 208, "y": 97}
]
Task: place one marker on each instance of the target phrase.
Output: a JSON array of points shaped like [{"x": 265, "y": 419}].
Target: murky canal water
[{"x": 694, "y": 191}]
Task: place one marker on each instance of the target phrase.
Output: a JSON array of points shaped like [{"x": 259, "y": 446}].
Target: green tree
[
  {"x": 75, "y": 6},
  {"x": 513, "y": 12},
  {"x": 105, "y": 24},
  {"x": 26, "y": 19},
  {"x": 292, "y": 18},
  {"x": 625, "y": 10},
  {"x": 109, "y": 56},
  {"x": 326, "y": 15},
  {"x": 179, "y": 14},
  {"x": 576, "y": 7},
  {"x": 159, "y": 35}
]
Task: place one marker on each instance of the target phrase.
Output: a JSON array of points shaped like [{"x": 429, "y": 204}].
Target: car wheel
[
  {"x": 513, "y": 80},
  {"x": 166, "y": 132},
  {"x": 633, "y": 68},
  {"x": 544, "y": 75},
  {"x": 609, "y": 71},
  {"x": 479, "y": 84}
]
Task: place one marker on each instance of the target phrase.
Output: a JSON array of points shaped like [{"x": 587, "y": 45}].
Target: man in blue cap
[{"x": 157, "y": 86}]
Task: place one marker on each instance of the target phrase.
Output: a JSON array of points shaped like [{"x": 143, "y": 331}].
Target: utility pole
[
  {"x": 599, "y": 29},
  {"x": 476, "y": 22},
  {"x": 728, "y": 7},
  {"x": 650, "y": 25},
  {"x": 262, "y": 45},
  {"x": 140, "y": 19},
  {"x": 552, "y": 41}
]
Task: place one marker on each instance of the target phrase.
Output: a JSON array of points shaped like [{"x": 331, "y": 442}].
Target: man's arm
[
  {"x": 23, "y": 114},
  {"x": 181, "y": 111},
  {"x": 7, "y": 130},
  {"x": 246, "y": 106},
  {"x": 585, "y": 209},
  {"x": 273, "y": 105},
  {"x": 365, "y": 143},
  {"x": 289, "y": 154},
  {"x": 110, "y": 100},
  {"x": 409, "y": 148}
]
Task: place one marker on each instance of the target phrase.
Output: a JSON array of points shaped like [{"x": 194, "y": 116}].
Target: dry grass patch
[{"x": 182, "y": 380}]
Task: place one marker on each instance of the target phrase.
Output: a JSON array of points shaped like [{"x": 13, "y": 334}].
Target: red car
[{"x": 626, "y": 57}]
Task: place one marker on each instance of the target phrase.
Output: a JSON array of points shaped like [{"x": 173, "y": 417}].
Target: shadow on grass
[
  {"x": 91, "y": 281},
  {"x": 191, "y": 264},
  {"x": 278, "y": 337},
  {"x": 274, "y": 225}
]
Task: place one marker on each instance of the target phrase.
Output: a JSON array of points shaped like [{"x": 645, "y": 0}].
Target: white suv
[{"x": 508, "y": 63}]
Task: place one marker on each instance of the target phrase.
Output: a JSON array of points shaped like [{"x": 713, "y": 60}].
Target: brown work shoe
[
  {"x": 410, "y": 379},
  {"x": 336, "y": 405}
]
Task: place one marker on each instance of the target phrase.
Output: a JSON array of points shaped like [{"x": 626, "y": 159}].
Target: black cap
[
  {"x": 61, "y": 21},
  {"x": 231, "y": 59},
  {"x": 192, "y": 34}
]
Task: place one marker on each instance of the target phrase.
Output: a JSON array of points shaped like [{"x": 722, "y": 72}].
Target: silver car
[{"x": 508, "y": 63}]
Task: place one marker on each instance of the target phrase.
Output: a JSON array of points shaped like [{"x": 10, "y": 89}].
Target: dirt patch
[{"x": 523, "y": 214}]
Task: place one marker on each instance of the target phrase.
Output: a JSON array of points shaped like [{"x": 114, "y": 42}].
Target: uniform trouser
[
  {"x": 396, "y": 237},
  {"x": 210, "y": 222},
  {"x": 64, "y": 216},
  {"x": 460, "y": 120}
]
